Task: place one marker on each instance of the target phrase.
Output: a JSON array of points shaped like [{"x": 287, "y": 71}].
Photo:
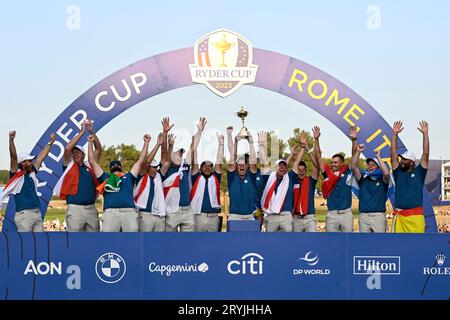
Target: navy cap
[{"x": 115, "y": 163}]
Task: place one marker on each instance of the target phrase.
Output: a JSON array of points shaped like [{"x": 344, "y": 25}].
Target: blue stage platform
[{"x": 235, "y": 265}]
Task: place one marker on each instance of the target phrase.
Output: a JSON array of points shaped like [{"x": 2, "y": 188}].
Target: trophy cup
[
  {"x": 223, "y": 46},
  {"x": 243, "y": 114}
]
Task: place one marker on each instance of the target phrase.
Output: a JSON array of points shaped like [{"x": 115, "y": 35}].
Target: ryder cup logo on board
[{"x": 223, "y": 62}]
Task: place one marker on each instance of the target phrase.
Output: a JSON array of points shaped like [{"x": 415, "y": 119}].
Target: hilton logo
[{"x": 385, "y": 265}]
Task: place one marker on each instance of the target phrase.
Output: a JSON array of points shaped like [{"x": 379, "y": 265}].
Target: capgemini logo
[
  {"x": 440, "y": 258},
  {"x": 312, "y": 261},
  {"x": 169, "y": 269}
]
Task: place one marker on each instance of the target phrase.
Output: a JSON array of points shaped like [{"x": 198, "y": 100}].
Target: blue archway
[{"x": 170, "y": 70}]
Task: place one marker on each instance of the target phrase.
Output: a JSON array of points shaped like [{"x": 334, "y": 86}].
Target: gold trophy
[
  {"x": 223, "y": 46},
  {"x": 243, "y": 114}
]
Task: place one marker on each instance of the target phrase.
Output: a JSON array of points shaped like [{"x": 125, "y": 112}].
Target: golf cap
[
  {"x": 408, "y": 155},
  {"x": 374, "y": 160},
  {"x": 154, "y": 164},
  {"x": 207, "y": 162},
  {"x": 79, "y": 147},
  {"x": 24, "y": 157},
  {"x": 115, "y": 163},
  {"x": 280, "y": 161}
]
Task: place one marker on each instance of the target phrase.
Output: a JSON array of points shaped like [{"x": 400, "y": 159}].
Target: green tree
[
  {"x": 272, "y": 136},
  {"x": 127, "y": 154},
  {"x": 4, "y": 176}
]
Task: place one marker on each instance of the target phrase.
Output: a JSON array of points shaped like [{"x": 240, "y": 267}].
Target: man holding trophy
[{"x": 241, "y": 174}]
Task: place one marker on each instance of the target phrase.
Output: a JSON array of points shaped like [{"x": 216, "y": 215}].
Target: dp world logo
[
  {"x": 223, "y": 62},
  {"x": 110, "y": 267},
  {"x": 310, "y": 258}
]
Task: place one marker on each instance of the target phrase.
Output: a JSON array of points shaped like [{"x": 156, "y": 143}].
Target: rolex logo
[{"x": 440, "y": 258}]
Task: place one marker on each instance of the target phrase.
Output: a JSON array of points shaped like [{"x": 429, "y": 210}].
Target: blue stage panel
[{"x": 236, "y": 266}]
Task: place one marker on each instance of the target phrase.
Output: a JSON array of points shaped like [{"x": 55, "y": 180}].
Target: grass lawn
[
  {"x": 53, "y": 214},
  {"x": 322, "y": 213}
]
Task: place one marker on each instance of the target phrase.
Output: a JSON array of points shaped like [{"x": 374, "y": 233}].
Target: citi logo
[
  {"x": 385, "y": 265},
  {"x": 251, "y": 263}
]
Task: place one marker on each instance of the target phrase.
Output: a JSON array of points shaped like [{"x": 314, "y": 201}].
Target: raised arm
[
  {"x": 354, "y": 137},
  {"x": 193, "y": 159},
  {"x": 230, "y": 144},
  {"x": 93, "y": 162},
  {"x": 396, "y": 129},
  {"x": 12, "y": 152},
  {"x": 354, "y": 162},
  {"x": 233, "y": 154},
  {"x": 44, "y": 153},
  {"x": 298, "y": 159},
  {"x": 252, "y": 154},
  {"x": 315, "y": 170},
  {"x": 312, "y": 155},
  {"x": 262, "y": 143},
  {"x": 220, "y": 150},
  {"x": 67, "y": 157},
  {"x": 166, "y": 164},
  {"x": 152, "y": 154},
  {"x": 294, "y": 149},
  {"x": 317, "y": 150},
  {"x": 98, "y": 146},
  {"x": 137, "y": 166},
  {"x": 165, "y": 156},
  {"x": 301, "y": 153},
  {"x": 383, "y": 167},
  {"x": 198, "y": 135},
  {"x": 423, "y": 127}
]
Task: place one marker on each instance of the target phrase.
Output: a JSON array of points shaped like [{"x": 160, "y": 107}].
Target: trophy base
[{"x": 243, "y": 134}]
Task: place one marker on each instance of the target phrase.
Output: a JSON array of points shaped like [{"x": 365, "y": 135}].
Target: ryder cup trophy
[
  {"x": 223, "y": 45},
  {"x": 243, "y": 114}
]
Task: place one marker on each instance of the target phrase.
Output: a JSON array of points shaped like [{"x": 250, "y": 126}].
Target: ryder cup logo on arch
[
  {"x": 110, "y": 267},
  {"x": 223, "y": 62}
]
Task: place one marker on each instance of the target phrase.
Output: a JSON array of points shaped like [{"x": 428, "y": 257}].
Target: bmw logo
[{"x": 110, "y": 267}]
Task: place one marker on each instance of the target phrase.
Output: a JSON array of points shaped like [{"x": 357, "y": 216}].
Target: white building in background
[{"x": 445, "y": 181}]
